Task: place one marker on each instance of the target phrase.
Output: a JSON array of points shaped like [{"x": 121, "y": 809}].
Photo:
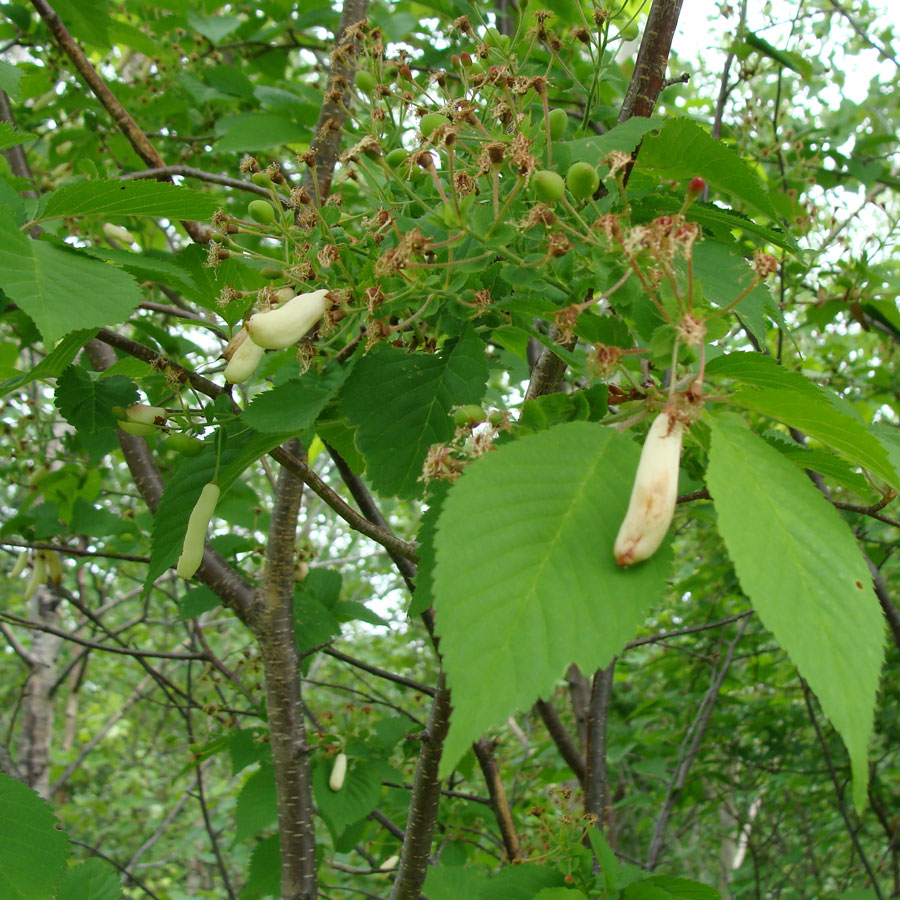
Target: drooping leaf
[
  {"x": 798, "y": 563},
  {"x": 53, "y": 363},
  {"x": 112, "y": 197},
  {"x": 33, "y": 847},
  {"x": 94, "y": 879},
  {"x": 357, "y": 797},
  {"x": 521, "y": 882},
  {"x": 401, "y": 403},
  {"x": 86, "y": 401},
  {"x": 682, "y": 150},
  {"x": 257, "y": 807},
  {"x": 62, "y": 290},
  {"x": 793, "y": 399},
  {"x": 785, "y": 57},
  {"x": 525, "y": 580}
]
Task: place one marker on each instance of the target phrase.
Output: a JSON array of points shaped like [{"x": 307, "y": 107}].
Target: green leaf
[
  {"x": 798, "y": 563},
  {"x": 725, "y": 274},
  {"x": 10, "y": 137},
  {"x": 762, "y": 370},
  {"x": 820, "y": 420},
  {"x": 684, "y": 888},
  {"x": 129, "y": 198},
  {"x": 197, "y": 601},
  {"x": 258, "y": 131},
  {"x": 595, "y": 149},
  {"x": 53, "y": 363},
  {"x": 257, "y": 807},
  {"x": 454, "y": 882},
  {"x": 609, "y": 864},
  {"x": 521, "y": 882},
  {"x": 33, "y": 847},
  {"x": 784, "y": 57},
  {"x": 795, "y": 400},
  {"x": 525, "y": 581},
  {"x": 559, "y": 893},
  {"x": 93, "y": 879},
  {"x": 86, "y": 401},
  {"x": 295, "y": 405},
  {"x": 683, "y": 149},
  {"x": 9, "y": 79},
  {"x": 423, "y": 596},
  {"x": 314, "y": 623},
  {"x": 87, "y": 20},
  {"x": 62, "y": 290},
  {"x": 264, "y": 879},
  {"x": 401, "y": 404},
  {"x": 214, "y": 28},
  {"x": 356, "y": 799},
  {"x": 645, "y": 890}
]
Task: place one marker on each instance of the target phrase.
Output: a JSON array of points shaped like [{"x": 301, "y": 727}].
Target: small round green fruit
[
  {"x": 559, "y": 119},
  {"x": 582, "y": 180},
  {"x": 184, "y": 444},
  {"x": 396, "y": 157},
  {"x": 261, "y": 211},
  {"x": 548, "y": 186},
  {"x": 365, "y": 81},
  {"x": 260, "y": 179},
  {"x": 431, "y": 122},
  {"x": 469, "y": 416}
]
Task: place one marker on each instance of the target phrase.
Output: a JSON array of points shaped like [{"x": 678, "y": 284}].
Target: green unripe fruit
[
  {"x": 184, "y": 444},
  {"x": 496, "y": 417},
  {"x": 630, "y": 32},
  {"x": 431, "y": 122},
  {"x": 396, "y": 157},
  {"x": 469, "y": 416},
  {"x": 559, "y": 119},
  {"x": 260, "y": 179},
  {"x": 497, "y": 41},
  {"x": 365, "y": 81},
  {"x": 271, "y": 272},
  {"x": 391, "y": 73},
  {"x": 261, "y": 211},
  {"x": 548, "y": 186},
  {"x": 582, "y": 180}
]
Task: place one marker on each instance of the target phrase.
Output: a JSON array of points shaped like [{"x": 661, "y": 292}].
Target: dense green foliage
[{"x": 408, "y": 281}]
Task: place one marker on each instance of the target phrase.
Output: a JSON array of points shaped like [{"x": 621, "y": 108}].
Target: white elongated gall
[
  {"x": 338, "y": 772},
  {"x": 243, "y": 360},
  {"x": 653, "y": 496},
  {"x": 38, "y": 577},
  {"x": 118, "y": 233},
  {"x": 195, "y": 536},
  {"x": 284, "y": 326}
]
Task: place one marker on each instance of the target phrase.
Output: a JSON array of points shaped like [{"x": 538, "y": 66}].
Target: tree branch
[
  {"x": 650, "y": 66},
  {"x": 426, "y": 795},
  {"x": 484, "y": 753},
  {"x": 596, "y": 795},
  {"x": 688, "y": 752},
  {"x": 272, "y": 622},
  {"x": 561, "y": 737},
  {"x": 333, "y": 113},
  {"x": 136, "y": 137}
]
